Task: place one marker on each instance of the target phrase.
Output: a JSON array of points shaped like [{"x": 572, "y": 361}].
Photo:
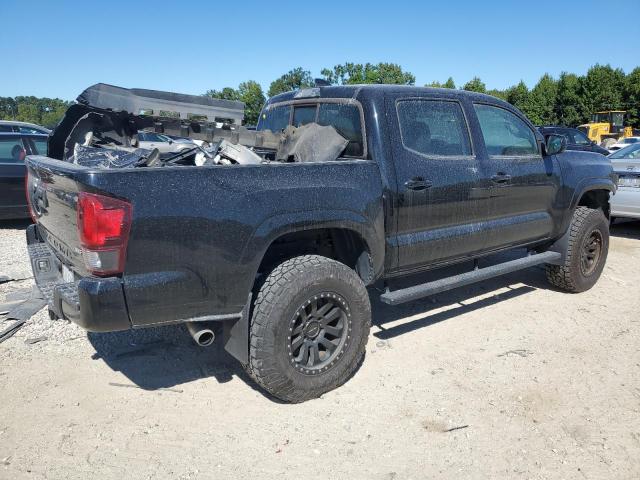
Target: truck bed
[{"x": 198, "y": 233}]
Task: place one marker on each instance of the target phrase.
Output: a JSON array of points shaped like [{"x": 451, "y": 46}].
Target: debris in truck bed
[
  {"x": 111, "y": 157},
  {"x": 229, "y": 154},
  {"x": 101, "y": 131},
  {"x": 311, "y": 143}
]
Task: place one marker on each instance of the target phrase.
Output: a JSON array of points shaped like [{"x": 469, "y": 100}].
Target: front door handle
[
  {"x": 501, "y": 178},
  {"x": 417, "y": 183}
]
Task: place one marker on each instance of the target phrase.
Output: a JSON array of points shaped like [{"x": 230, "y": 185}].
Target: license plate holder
[{"x": 625, "y": 181}]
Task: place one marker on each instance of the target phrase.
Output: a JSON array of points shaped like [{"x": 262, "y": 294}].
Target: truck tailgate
[{"x": 52, "y": 189}]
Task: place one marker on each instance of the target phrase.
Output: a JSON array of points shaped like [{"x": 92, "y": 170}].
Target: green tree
[
  {"x": 569, "y": 106},
  {"x": 227, "y": 93},
  {"x": 357, "y": 73},
  {"x": 501, "y": 94},
  {"x": 631, "y": 97},
  {"x": 475, "y": 85},
  {"x": 518, "y": 96},
  {"x": 541, "y": 103},
  {"x": 602, "y": 88},
  {"x": 293, "y": 80},
  {"x": 448, "y": 84},
  {"x": 251, "y": 94}
]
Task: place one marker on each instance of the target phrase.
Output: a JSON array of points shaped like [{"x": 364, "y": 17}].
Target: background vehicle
[
  {"x": 163, "y": 143},
  {"x": 626, "y": 163},
  {"x": 576, "y": 140},
  {"x": 8, "y": 126},
  {"x": 625, "y": 142},
  {"x": 606, "y": 128},
  {"x": 14, "y": 147},
  {"x": 280, "y": 252}
]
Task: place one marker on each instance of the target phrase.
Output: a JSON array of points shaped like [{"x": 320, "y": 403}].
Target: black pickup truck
[{"x": 280, "y": 253}]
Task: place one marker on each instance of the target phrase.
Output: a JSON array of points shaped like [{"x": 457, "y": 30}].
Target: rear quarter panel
[{"x": 199, "y": 234}]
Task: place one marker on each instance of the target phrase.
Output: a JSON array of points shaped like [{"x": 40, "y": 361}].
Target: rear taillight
[
  {"x": 103, "y": 225},
  {"x": 26, "y": 191}
]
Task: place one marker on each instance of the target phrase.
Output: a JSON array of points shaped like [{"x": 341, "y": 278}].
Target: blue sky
[{"x": 56, "y": 49}]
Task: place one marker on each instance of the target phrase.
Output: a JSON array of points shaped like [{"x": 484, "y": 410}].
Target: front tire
[
  {"x": 586, "y": 253},
  {"x": 309, "y": 328}
]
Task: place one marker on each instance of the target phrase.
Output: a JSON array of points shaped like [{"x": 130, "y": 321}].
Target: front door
[
  {"x": 440, "y": 200},
  {"x": 524, "y": 184}
]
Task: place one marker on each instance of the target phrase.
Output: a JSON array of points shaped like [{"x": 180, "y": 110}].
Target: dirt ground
[{"x": 507, "y": 379}]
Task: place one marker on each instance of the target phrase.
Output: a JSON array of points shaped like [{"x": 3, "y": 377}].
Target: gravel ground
[{"x": 507, "y": 379}]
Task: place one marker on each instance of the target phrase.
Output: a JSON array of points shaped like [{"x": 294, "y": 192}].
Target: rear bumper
[
  {"x": 95, "y": 304},
  {"x": 626, "y": 202}
]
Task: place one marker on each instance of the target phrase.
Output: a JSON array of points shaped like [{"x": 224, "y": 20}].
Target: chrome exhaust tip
[{"x": 202, "y": 335}]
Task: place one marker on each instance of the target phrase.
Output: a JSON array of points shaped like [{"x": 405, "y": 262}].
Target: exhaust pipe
[{"x": 202, "y": 335}]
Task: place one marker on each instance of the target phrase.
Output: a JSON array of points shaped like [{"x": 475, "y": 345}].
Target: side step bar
[{"x": 449, "y": 283}]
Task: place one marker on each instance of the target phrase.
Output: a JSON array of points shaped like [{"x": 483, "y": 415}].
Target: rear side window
[
  {"x": 6, "y": 128},
  {"x": 304, "y": 115},
  {"x": 275, "y": 119},
  {"x": 579, "y": 138},
  {"x": 433, "y": 127},
  {"x": 504, "y": 133},
  {"x": 11, "y": 150},
  {"x": 346, "y": 120}
]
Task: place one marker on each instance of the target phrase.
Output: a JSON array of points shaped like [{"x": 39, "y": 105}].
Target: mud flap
[{"x": 235, "y": 335}]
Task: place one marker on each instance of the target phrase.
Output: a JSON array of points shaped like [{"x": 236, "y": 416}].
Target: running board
[{"x": 449, "y": 283}]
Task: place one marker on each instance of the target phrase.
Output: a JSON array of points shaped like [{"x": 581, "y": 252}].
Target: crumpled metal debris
[
  {"x": 21, "y": 310},
  {"x": 311, "y": 143},
  {"x": 110, "y": 157}
]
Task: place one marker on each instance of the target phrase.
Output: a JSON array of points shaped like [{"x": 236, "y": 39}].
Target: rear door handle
[
  {"x": 501, "y": 178},
  {"x": 417, "y": 183}
]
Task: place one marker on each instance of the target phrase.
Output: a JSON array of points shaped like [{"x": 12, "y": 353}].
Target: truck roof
[{"x": 358, "y": 91}]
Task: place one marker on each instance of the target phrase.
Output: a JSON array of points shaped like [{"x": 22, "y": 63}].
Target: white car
[
  {"x": 622, "y": 143},
  {"x": 163, "y": 143},
  {"x": 626, "y": 163}
]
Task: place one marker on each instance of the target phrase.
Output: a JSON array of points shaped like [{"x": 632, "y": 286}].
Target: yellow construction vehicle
[{"x": 606, "y": 128}]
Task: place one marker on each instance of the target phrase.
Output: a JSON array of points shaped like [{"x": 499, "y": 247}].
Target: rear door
[
  {"x": 524, "y": 184},
  {"x": 13, "y": 202},
  {"x": 440, "y": 197}
]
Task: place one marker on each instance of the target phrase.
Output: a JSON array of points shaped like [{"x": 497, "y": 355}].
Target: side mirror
[{"x": 555, "y": 144}]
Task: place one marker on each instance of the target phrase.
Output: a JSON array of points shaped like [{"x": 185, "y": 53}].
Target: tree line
[{"x": 567, "y": 100}]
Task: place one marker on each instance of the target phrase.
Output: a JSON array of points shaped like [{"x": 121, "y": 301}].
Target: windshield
[{"x": 632, "y": 151}]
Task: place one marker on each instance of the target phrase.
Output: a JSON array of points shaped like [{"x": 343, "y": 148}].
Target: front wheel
[
  {"x": 309, "y": 328},
  {"x": 586, "y": 253}
]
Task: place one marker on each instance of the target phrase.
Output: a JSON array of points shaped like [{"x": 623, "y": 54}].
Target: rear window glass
[
  {"x": 275, "y": 119},
  {"x": 346, "y": 120},
  {"x": 433, "y": 127},
  {"x": 11, "y": 150},
  {"x": 304, "y": 115}
]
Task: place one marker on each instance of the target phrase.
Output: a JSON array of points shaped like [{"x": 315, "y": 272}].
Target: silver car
[
  {"x": 626, "y": 163},
  {"x": 163, "y": 143}
]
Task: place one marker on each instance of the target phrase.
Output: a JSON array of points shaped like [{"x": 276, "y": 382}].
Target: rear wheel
[
  {"x": 309, "y": 328},
  {"x": 586, "y": 253}
]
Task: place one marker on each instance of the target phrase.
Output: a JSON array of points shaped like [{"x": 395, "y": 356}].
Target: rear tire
[
  {"x": 586, "y": 253},
  {"x": 309, "y": 328}
]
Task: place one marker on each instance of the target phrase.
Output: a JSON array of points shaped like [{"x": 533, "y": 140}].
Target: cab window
[
  {"x": 505, "y": 134},
  {"x": 433, "y": 127},
  {"x": 275, "y": 119},
  {"x": 346, "y": 120}
]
